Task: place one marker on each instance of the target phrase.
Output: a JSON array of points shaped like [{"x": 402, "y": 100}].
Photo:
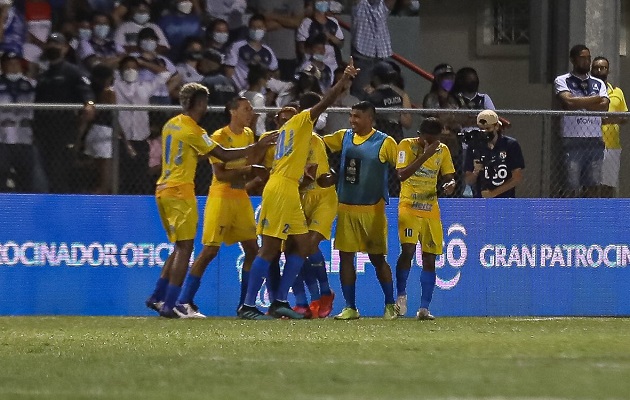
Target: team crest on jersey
[{"x": 503, "y": 155}]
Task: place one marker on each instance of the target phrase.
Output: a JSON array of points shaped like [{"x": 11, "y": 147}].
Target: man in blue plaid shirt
[{"x": 370, "y": 39}]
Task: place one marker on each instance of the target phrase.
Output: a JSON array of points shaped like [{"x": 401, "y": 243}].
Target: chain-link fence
[{"x": 47, "y": 149}]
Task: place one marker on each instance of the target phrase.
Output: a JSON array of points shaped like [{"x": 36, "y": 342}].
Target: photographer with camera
[{"x": 494, "y": 162}]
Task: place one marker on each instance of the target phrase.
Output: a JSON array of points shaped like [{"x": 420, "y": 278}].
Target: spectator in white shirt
[
  {"x": 101, "y": 47},
  {"x": 127, "y": 33},
  {"x": 322, "y": 24},
  {"x": 257, "y": 81},
  {"x": 135, "y": 124}
]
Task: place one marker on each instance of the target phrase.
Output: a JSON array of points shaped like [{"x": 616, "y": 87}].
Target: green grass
[{"x": 450, "y": 358}]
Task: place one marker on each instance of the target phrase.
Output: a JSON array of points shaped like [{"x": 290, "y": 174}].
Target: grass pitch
[{"x": 450, "y": 358}]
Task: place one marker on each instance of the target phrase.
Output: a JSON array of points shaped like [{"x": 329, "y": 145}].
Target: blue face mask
[
  {"x": 321, "y": 6},
  {"x": 447, "y": 84}
]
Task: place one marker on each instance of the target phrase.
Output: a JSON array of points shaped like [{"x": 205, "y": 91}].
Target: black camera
[{"x": 473, "y": 138}]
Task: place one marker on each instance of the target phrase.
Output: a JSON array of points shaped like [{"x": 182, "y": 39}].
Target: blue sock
[
  {"x": 298, "y": 290},
  {"x": 244, "y": 284},
  {"x": 172, "y": 293},
  {"x": 273, "y": 279},
  {"x": 292, "y": 268},
  {"x": 427, "y": 283},
  {"x": 191, "y": 285},
  {"x": 318, "y": 263},
  {"x": 402, "y": 274},
  {"x": 388, "y": 291},
  {"x": 310, "y": 278},
  {"x": 160, "y": 289},
  {"x": 257, "y": 275},
  {"x": 349, "y": 295}
]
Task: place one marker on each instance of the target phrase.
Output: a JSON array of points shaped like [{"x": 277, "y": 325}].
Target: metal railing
[{"x": 101, "y": 162}]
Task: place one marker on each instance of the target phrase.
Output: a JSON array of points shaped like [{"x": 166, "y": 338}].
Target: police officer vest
[{"x": 363, "y": 175}]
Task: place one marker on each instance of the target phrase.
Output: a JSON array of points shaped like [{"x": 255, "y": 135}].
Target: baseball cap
[
  {"x": 212, "y": 55},
  {"x": 487, "y": 118},
  {"x": 10, "y": 55},
  {"x": 382, "y": 69},
  {"x": 443, "y": 69},
  {"x": 57, "y": 37}
]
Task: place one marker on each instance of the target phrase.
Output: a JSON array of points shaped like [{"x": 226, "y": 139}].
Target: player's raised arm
[{"x": 334, "y": 92}]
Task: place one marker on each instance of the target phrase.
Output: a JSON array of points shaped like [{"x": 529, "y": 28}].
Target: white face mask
[
  {"x": 130, "y": 75},
  {"x": 185, "y": 7},
  {"x": 85, "y": 34},
  {"x": 220, "y": 37},
  {"x": 141, "y": 18},
  {"x": 319, "y": 57},
  {"x": 148, "y": 45},
  {"x": 101, "y": 31},
  {"x": 256, "y": 34},
  {"x": 14, "y": 77},
  {"x": 321, "y": 121}
]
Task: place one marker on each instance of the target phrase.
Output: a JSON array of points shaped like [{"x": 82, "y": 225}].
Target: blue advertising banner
[{"x": 101, "y": 255}]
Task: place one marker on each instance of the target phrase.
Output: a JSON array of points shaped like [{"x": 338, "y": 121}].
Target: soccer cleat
[
  {"x": 252, "y": 313},
  {"x": 154, "y": 304},
  {"x": 188, "y": 310},
  {"x": 168, "y": 313},
  {"x": 279, "y": 309},
  {"x": 347, "y": 314},
  {"x": 401, "y": 303},
  {"x": 314, "y": 308},
  {"x": 391, "y": 312},
  {"x": 424, "y": 314},
  {"x": 326, "y": 304},
  {"x": 305, "y": 311}
]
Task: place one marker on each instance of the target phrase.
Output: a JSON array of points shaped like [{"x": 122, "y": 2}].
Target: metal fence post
[{"x": 116, "y": 136}]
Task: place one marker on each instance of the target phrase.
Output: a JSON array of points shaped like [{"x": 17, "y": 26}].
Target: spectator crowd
[{"x": 141, "y": 52}]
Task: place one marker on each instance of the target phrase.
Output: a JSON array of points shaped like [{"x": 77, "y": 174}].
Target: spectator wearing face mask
[
  {"x": 217, "y": 36},
  {"x": 127, "y": 33},
  {"x": 130, "y": 89},
  {"x": 187, "y": 68},
  {"x": 251, "y": 51},
  {"x": 231, "y": 11},
  {"x": 256, "y": 82},
  {"x": 466, "y": 93},
  {"x": 322, "y": 24},
  {"x": 316, "y": 56},
  {"x": 180, "y": 23},
  {"x": 152, "y": 63},
  {"x": 16, "y": 134},
  {"x": 100, "y": 48}
]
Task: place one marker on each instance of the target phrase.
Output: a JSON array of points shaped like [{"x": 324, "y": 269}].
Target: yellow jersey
[
  {"x": 387, "y": 153},
  {"x": 610, "y": 132},
  {"x": 183, "y": 140},
  {"x": 418, "y": 194},
  {"x": 292, "y": 147},
  {"x": 317, "y": 155},
  {"x": 229, "y": 140},
  {"x": 271, "y": 151}
]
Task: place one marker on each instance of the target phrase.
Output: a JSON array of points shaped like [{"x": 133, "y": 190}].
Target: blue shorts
[{"x": 583, "y": 160}]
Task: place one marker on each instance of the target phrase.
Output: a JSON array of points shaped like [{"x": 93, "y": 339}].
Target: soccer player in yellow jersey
[
  {"x": 281, "y": 214},
  {"x": 319, "y": 202},
  {"x": 421, "y": 161},
  {"x": 362, "y": 191},
  {"x": 183, "y": 141},
  {"x": 228, "y": 214}
]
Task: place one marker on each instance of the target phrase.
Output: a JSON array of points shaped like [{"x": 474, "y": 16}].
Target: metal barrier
[{"x": 562, "y": 150}]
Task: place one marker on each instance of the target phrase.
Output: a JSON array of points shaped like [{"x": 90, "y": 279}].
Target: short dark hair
[
  {"x": 256, "y": 72},
  {"x": 576, "y": 50},
  {"x": 600, "y": 58},
  {"x": 125, "y": 60},
  {"x": 365, "y": 106},
  {"x": 431, "y": 126},
  {"x": 257, "y": 17},
  {"x": 308, "y": 100},
  {"x": 234, "y": 103}
]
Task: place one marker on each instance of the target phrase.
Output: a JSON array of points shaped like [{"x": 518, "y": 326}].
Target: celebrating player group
[{"x": 299, "y": 205}]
